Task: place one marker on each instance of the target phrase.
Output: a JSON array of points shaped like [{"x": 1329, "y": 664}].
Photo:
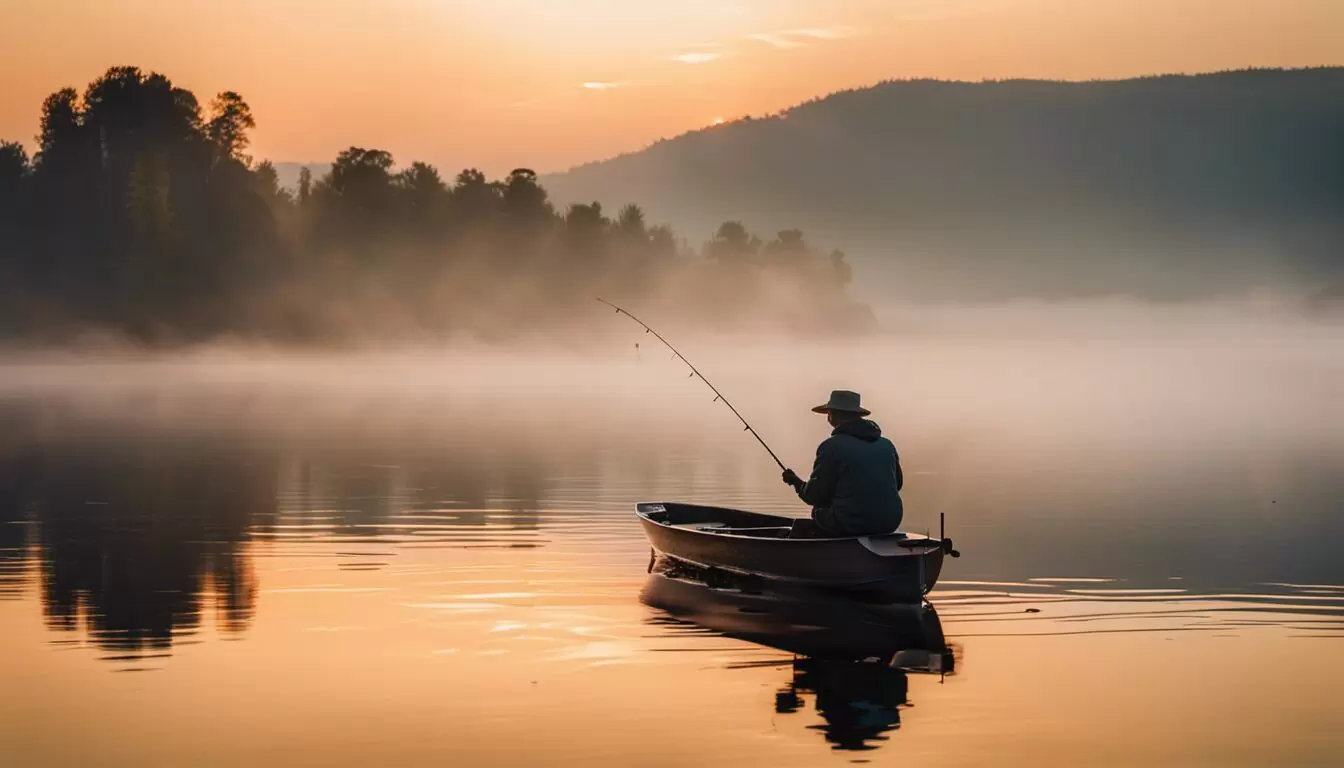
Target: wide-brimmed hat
[{"x": 843, "y": 400}]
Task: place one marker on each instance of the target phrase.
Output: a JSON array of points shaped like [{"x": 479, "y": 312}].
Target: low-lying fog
[{"x": 1193, "y": 434}]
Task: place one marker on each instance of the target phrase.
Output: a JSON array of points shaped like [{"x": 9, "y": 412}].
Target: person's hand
[{"x": 791, "y": 478}]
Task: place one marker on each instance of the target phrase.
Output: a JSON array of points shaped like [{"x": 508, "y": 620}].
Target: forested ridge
[
  {"x": 1164, "y": 187},
  {"x": 142, "y": 217}
]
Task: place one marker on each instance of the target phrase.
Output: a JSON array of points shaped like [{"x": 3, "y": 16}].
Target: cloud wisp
[
  {"x": 797, "y": 38},
  {"x": 823, "y": 33},
  {"x": 599, "y": 85},
  {"x": 695, "y": 57},
  {"x": 775, "y": 39}
]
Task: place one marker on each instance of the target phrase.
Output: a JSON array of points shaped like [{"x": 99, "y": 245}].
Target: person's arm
[
  {"x": 900, "y": 478},
  {"x": 819, "y": 490}
]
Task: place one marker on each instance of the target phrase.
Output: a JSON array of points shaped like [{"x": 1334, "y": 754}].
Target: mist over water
[
  {"x": 1162, "y": 483},
  {"x": 1161, "y": 427}
]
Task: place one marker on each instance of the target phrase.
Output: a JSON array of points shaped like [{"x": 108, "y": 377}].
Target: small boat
[
  {"x": 810, "y": 623},
  {"x": 895, "y": 566}
]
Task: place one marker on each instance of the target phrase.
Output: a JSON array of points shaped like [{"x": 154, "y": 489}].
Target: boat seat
[
  {"x": 765, "y": 532},
  {"x": 806, "y": 528}
]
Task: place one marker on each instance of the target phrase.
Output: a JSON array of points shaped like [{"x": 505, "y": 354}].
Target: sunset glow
[
  {"x": 345, "y": 420},
  {"x": 483, "y": 74}
]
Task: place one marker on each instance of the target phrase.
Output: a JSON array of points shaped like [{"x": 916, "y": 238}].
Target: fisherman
[{"x": 856, "y": 480}]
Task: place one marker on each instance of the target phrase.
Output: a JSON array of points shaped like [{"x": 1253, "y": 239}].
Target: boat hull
[{"x": 897, "y": 566}]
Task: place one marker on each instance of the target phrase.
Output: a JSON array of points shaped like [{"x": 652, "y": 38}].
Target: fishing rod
[{"x": 695, "y": 372}]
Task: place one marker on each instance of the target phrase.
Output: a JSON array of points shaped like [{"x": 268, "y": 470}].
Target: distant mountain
[{"x": 1168, "y": 186}]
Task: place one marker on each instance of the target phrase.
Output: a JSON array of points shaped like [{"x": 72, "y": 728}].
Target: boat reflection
[{"x": 853, "y": 658}]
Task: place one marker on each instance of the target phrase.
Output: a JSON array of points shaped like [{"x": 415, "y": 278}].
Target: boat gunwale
[{"x": 644, "y": 515}]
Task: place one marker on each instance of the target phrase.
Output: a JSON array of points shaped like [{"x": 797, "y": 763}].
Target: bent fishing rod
[{"x": 695, "y": 372}]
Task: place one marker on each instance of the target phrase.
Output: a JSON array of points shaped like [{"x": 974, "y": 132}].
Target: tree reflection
[
  {"x": 137, "y": 540},
  {"x": 138, "y": 530},
  {"x": 14, "y": 513}
]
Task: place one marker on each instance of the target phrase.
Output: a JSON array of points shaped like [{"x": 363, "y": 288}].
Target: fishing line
[{"x": 695, "y": 372}]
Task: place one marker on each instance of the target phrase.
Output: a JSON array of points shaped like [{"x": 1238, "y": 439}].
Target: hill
[{"x": 1166, "y": 187}]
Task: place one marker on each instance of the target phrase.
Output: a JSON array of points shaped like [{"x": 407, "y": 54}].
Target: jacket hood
[{"x": 863, "y": 429}]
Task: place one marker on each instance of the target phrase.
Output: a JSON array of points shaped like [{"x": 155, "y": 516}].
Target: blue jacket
[{"x": 856, "y": 481}]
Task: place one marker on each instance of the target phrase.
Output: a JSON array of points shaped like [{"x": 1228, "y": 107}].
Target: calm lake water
[{"x": 431, "y": 559}]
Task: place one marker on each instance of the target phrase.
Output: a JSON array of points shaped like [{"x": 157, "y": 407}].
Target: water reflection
[
  {"x": 852, "y": 658},
  {"x": 140, "y": 531},
  {"x": 135, "y": 543},
  {"x": 859, "y": 701},
  {"x": 15, "y": 471},
  {"x": 138, "y": 541}
]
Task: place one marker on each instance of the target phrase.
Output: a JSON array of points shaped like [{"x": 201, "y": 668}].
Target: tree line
[{"x": 141, "y": 215}]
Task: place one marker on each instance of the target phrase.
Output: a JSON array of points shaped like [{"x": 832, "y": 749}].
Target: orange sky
[{"x": 501, "y": 83}]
